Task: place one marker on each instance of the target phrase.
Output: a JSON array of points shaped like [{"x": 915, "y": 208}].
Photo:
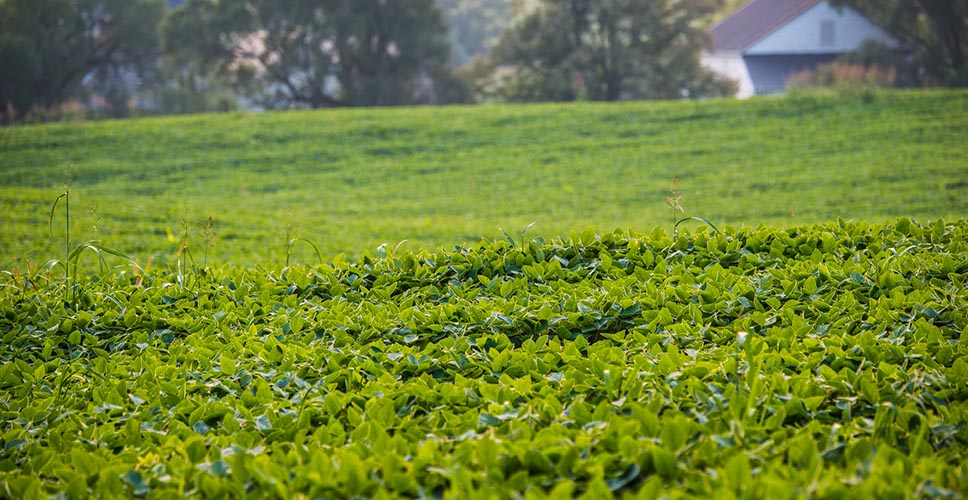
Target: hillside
[
  {"x": 350, "y": 180},
  {"x": 179, "y": 322}
]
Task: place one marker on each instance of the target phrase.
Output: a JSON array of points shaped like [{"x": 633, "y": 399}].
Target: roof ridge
[
  {"x": 735, "y": 12},
  {"x": 741, "y": 40}
]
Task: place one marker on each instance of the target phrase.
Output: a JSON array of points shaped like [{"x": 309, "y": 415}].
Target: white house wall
[
  {"x": 730, "y": 65},
  {"x": 803, "y": 34}
]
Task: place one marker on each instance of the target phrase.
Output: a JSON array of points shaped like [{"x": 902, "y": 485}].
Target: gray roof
[{"x": 754, "y": 21}]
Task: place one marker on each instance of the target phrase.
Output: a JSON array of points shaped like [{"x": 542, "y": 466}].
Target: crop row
[{"x": 823, "y": 360}]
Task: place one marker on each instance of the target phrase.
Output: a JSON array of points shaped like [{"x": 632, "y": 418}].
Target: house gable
[
  {"x": 766, "y": 41},
  {"x": 821, "y": 29},
  {"x": 755, "y": 20}
]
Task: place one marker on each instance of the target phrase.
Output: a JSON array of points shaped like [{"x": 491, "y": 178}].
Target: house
[{"x": 766, "y": 41}]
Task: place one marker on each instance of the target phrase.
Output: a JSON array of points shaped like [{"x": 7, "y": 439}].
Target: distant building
[{"x": 766, "y": 41}]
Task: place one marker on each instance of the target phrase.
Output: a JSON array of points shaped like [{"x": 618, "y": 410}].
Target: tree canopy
[
  {"x": 476, "y": 25},
  {"x": 609, "y": 50},
  {"x": 203, "y": 55},
  {"x": 48, "y": 47},
  {"x": 316, "y": 53}
]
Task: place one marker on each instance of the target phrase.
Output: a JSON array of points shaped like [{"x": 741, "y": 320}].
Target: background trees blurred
[
  {"x": 115, "y": 57},
  {"x": 476, "y": 25},
  {"x": 936, "y": 31},
  {"x": 55, "y": 50},
  {"x": 317, "y": 53},
  {"x": 608, "y": 50}
]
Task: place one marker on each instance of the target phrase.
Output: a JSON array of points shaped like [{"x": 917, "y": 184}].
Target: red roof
[{"x": 754, "y": 21}]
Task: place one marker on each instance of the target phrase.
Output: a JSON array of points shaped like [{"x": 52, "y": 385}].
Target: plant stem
[{"x": 67, "y": 241}]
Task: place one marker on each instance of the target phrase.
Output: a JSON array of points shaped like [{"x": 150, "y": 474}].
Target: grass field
[
  {"x": 350, "y": 180},
  {"x": 808, "y": 342}
]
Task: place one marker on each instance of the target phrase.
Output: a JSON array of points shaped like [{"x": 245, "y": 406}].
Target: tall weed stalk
[
  {"x": 73, "y": 253},
  {"x": 674, "y": 202},
  {"x": 184, "y": 255},
  {"x": 292, "y": 238}
]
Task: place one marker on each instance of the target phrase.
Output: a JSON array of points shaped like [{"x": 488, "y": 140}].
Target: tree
[
  {"x": 475, "y": 26},
  {"x": 609, "y": 50},
  {"x": 190, "y": 79},
  {"x": 937, "y": 30},
  {"x": 405, "y": 60},
  {"x": 318, "y": 53},
  {"x": 49, "y": 47}
]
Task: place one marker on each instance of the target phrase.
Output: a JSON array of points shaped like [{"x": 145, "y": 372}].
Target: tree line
[{"x": 124, "y": 56}]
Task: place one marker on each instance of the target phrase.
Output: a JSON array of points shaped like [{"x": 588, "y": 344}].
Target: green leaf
[
  {"x": 218, "y": 468},
  {"x": 488, "y": 420},
  {"x": 622, "y": 481},
  {"x": 200, "y": 427},
  {"x": 15, "y": 444},
  {"x": 227, "y": 365},
  {"x": 136, "y": 482},
  {"x": 262, "y": 423},
  {"x": 665, "y": 462},
  {"x": 738, "y": 471}
]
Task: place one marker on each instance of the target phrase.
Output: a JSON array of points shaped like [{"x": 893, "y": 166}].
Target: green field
[
  {"x": 351, "y": 180},
  {"x": 807, "y": 341},
  {"x": 821, "y": 362}
]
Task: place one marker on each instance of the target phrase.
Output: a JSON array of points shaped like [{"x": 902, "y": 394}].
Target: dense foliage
[
  {"x": 315, "y": 54},
  {"x": 475, "y": 25},
  {"x": 106, "y": 55},
  {"x": 815, "y": 361},
  {"x": 935, "y": 32},
  {"x": 609, "y": 50},
  {"x": 97, "y": 58},
  {"x": 48, "y": 47}
]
